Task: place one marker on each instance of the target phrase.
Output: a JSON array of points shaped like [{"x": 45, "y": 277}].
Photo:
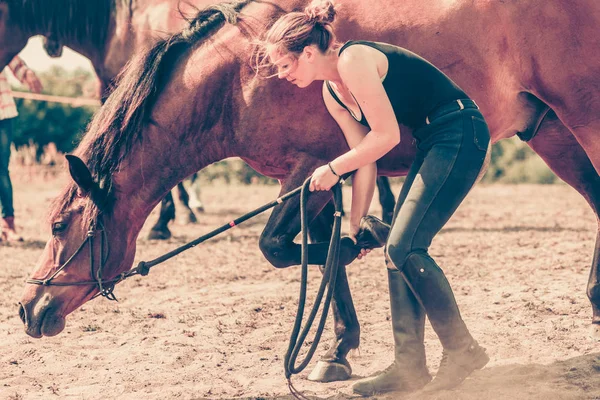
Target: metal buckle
[{"x": 460, "y": 104}]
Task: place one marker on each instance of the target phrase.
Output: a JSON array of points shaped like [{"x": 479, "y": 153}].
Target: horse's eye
[{"x": 58, "y": 227}]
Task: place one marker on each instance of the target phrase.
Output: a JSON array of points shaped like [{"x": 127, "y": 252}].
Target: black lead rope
[
  {"x": 143, "y": 268},
  {"x": 297, "y": 339},
  {"x": 329, "y": 276}
]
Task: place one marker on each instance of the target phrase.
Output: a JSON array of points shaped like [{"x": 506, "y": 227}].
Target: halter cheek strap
[{"x": 105, "y": 287}]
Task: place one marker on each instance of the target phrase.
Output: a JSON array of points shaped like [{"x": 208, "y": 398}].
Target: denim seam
[
  {"x": 433, "y": 198},
  {"x": 475, "y": 139}
]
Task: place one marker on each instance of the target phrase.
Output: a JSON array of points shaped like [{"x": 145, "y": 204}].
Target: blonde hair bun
[{"x": 321, "y": 11}]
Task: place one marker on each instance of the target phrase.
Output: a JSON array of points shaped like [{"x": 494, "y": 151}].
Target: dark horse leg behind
[
  {"x": 160, "y": 230},
  {"x": 565, "y": 156},
  {"x": 333, "y": 365},
  {"x": 277, "y": 244}
]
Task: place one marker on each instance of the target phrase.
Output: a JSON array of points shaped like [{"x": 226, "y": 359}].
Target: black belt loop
[{"x": 455, "y": 105}]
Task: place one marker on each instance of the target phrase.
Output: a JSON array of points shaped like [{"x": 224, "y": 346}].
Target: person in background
[{"x": 8, "y": 112}]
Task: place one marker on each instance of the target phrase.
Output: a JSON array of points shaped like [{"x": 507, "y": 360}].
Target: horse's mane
[
  {"x": 65, "y": 19},
  {"x": 118, "y": 124}
]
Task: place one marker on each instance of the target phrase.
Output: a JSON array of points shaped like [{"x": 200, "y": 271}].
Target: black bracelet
[{"x": 331, "y": 168}]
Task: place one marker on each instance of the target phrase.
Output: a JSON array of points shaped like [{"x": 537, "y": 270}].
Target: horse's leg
[
  {"x": 277, "y": 245},
  {"x": 573, "y": 93},
  {"x": 195, "y": 202},
  {"x": 160, "y": 230},
  {"x": 187, "y": 217},
  {"x": 587, "y": 134},
  {"x": 333, "y": 366},
  {"x": 566, "y": 157},
  {"x": 386, "y": 198}
]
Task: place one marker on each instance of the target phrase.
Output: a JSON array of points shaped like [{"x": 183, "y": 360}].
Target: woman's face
[{"x": 296, "y": 69}]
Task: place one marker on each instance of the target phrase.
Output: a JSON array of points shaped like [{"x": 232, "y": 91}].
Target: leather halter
[{"x": 105, "y": 287}]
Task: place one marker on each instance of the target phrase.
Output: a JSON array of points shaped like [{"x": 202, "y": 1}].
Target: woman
[{"x": 370, "y": 89}]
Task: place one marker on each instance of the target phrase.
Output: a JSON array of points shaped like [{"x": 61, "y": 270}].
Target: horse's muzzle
[{"x": 41, "y": 319}]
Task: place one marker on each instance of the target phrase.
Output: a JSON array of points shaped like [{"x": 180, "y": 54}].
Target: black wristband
[{"x": 331, "y": 168}]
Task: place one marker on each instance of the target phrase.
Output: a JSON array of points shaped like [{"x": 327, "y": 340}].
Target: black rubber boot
[
  {"x": 457, "y": 365},
  {"x": 409, "y": 371},
  {"x": 462, "y": 354}
]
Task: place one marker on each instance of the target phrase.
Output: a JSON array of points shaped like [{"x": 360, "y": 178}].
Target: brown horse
[
  {"x": 109, "y": 33},
  {"x": 194, "y": 99}
]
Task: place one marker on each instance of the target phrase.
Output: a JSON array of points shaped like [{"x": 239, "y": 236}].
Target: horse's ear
[{"x": 81, "y": 174}]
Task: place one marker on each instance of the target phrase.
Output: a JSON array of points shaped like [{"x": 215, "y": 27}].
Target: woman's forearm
[
  {"x": 363, "y": 187},
  {"x": 374, "y": 146}
]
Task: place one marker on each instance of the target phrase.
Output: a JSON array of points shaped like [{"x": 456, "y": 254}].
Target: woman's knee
[
  {"x": 399, "y": 257},
  {"x": 395, "y": 255}
]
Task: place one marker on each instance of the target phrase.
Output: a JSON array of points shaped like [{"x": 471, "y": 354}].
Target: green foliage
[
  {"x": 234, "y": 170},
  {"x": 60, "y": 82},
  {"x": 514, "y": 162},
  {"x": 41, "y": 122}
]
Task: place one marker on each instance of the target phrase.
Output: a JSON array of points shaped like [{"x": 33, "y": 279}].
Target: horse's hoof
[
  {"x": 348, "y": 251},
  {"x": 372, "y": 233},
  {"x": 188, "y": 218},
  {"x": 326, "y": 371},
  {"x": 159, "y": 234}
]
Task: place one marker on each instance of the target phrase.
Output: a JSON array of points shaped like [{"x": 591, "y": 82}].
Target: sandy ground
[{"x": 214, "y": 322}]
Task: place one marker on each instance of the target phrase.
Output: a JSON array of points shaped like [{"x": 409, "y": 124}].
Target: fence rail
[{"x": 72, "y": 101}]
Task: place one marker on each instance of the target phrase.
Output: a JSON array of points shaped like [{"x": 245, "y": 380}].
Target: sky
[{"x": 36, "y": 58}]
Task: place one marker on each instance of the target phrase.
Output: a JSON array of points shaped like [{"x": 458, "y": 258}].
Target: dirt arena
[{"x": 214, "y": 323}]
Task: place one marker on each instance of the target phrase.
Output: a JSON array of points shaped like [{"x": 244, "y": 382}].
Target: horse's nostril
[{"x": 22, "y": 313}]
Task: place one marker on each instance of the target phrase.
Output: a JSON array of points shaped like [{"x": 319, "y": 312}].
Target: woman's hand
[
  {"x": 323, "y": 179},
  {"x": 354, "y": 229}
]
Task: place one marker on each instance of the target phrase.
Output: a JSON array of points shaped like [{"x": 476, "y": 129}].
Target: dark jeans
[
  {"x": 450, "y": 155},
  {"x": 6, "y": 192}
]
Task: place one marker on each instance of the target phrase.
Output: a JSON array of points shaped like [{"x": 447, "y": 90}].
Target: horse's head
[
  {"x": 136, "y": 153},
  {"x": 12, "y": 38},
  {"x": 85, "y": 255}
]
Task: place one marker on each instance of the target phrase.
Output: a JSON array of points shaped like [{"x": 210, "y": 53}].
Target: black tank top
[{"x": 414, "y": 86}]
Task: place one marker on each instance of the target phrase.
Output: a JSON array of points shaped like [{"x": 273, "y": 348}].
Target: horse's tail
[{"x": 139, "y": 84}]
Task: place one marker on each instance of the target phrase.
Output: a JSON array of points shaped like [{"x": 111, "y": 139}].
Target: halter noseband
[{"x": 105, "y": 287}]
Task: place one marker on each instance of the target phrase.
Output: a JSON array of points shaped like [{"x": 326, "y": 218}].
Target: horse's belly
[{"x": 519, "y": 112}]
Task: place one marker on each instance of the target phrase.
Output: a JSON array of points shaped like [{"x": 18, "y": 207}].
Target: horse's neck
[
  {"x": 156, "y": 165},
  {"x": 187, "y": 132}
]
